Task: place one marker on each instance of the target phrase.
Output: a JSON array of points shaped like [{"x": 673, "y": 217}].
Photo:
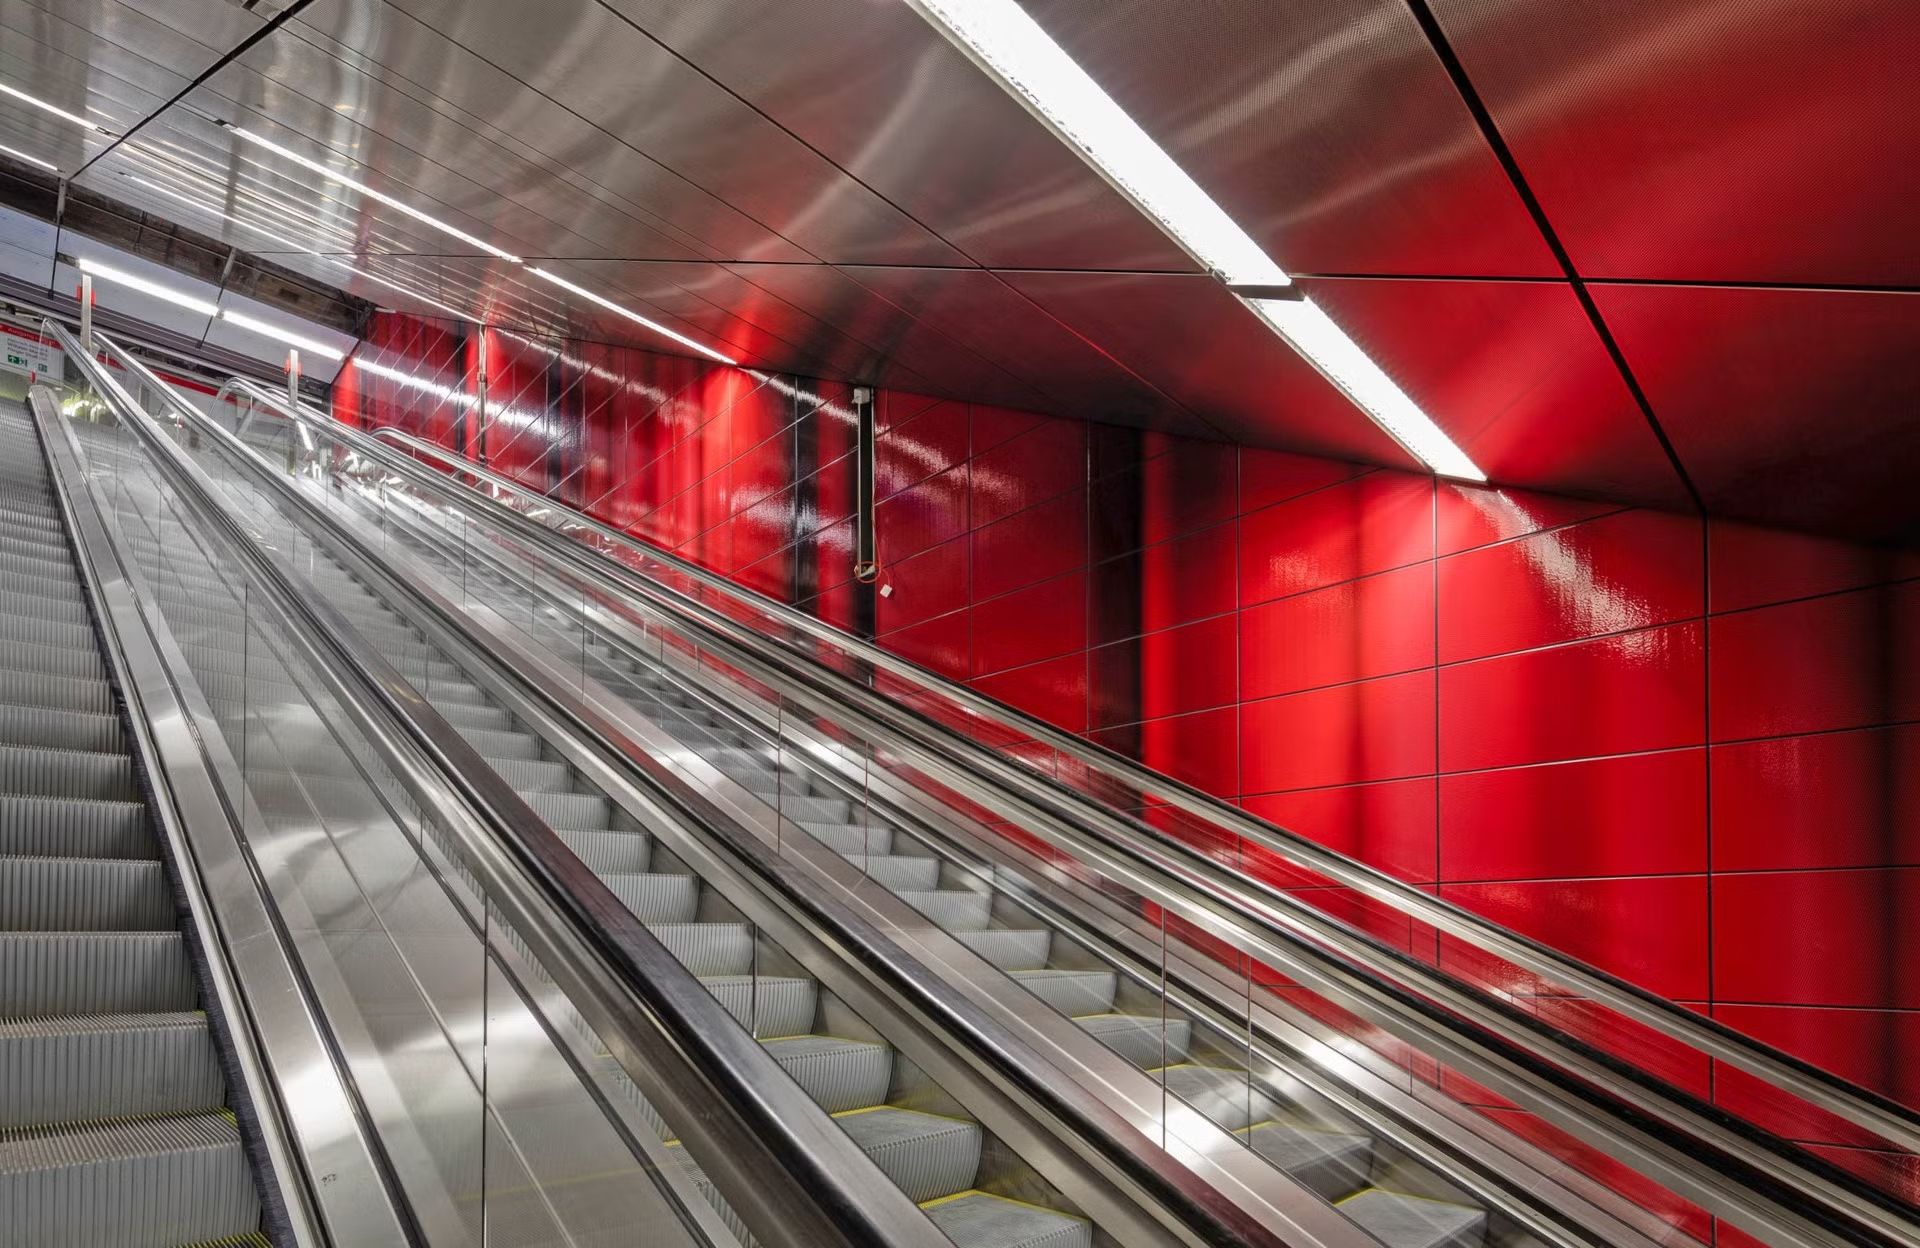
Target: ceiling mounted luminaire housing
[
  {"x": 55, "y": 109},
  {"x": 326, "y": 171},
  {"x": 611, "y": 306},
  {"x": 93, "y": 268},
  {"x": 19, "y": 155},
  {"x": 1010, "y": 46},
  {"x": 1339, "y": 358},
  {"x": 267, "y": 329}
]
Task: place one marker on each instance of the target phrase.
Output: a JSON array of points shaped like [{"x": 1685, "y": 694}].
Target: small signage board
[{"x": 23, "y": 351}]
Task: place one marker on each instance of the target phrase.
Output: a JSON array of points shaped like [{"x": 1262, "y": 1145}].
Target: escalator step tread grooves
[
  {"x": 113, "y": 1127},
  {"x": 984, "y": 1220}
]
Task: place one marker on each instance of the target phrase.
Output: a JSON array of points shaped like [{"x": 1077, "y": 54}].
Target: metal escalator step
[
  {"x": 580, "y": 812},
  {"x": 81, "y": 1068},
  {"x": 93, "y": 973},
  {"x": 802, "y": 808},
  {"x": 708, "y": 948},
  {"x": 60, "y": 693},
  {"x": 605, "y": 851},
  {"x": 952, "y": 909},
  {"x": 84, "y": 895},
  {"x": 1072, "y": 992},
  {"x": 1010, "y": 948},
  {"x": 838, "y": 1074},
  {"x": 24, "y": 656},
  {"x": 48, "y": 559},
  {"x": 50, "y": 584},
  {"x": 460, "y": 693},
  {"x": 149, "y": 1181},
  {"x": 926, "y": 1155},
  {"x": 1223, "y": 1095},
  {"x": 492, "y": 744},
  {"x": 897, "y": 872},
  {"x": 1333, "y": 1163},
  {"x": 1146, "y": 1041},
  {"x": 766, "y": 1005},
  {"x": 657, "y": 898},
  {"x": 61, "y": 730},
  {"x": 976, "y": 1219},
  {"x": 485, "y": 718},
  {"x": 66, "y": 773},
  {"x": 44, "y": 632},
  {"x": 21, "y": 600},
  {"x": 1402, "y": 1221},
  {"x": 72, "y": 827},
  {"x": 534, "y": 775},
  {"x": 851, "y": 838}
]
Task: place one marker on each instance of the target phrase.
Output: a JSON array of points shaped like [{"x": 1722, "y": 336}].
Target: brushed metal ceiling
[{"x": 1501, "y": 199}]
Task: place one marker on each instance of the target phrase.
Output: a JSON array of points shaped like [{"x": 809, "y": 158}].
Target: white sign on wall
[{"x": 24, "y": 352}]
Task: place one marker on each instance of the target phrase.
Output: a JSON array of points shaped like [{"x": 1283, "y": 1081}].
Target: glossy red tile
[
  {"x": 1839, "y": 799},
  {"x": 1649, "y": 930},
  {"x": 934, "y": 441},
  {"x": 1348, "y": 734},
  {"x": 1055, "y": 690},
  {"x": 1877, "y": 1049},
  {"x": 1388, "y": 825},
  {"x": 1166, "y": 673},
  {"x": 1031, "y": 468},
  {"x": 1754, "y": 567},
  {"x": 1628, "y": 570},
  {"x": 1033, "y": 545},
  {"x": 941, "y": 644},
  {"x": 921, "y": 516},
  {"x": 1030, "y": 624},
  {"x": 1268, "y": 477},
  {"x": 1818, "y": 938},
  {"x": 1688, "y": 1220},
  {"x": 1374, "y": 626},
  {"x": 1641, "y": 814},
  {"x": 1469, "y": 516},
  {"x": 1843, "y": 661},
  {"x": 1198, "y": 749},
  {"x": 1164, "y": 586},
  {"x": 1380, "y": 521},
  {"x": 931, "y": 583},
  {"x": 1188, "y": 487},
  {"x": 994, "y": 425},
  {"x": 1617, "y": 695}
]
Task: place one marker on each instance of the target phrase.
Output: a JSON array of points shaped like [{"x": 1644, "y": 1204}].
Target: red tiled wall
[{"x": 1688, "y": 752}]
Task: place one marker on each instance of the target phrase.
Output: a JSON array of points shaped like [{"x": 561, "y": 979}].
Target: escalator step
[
  {"x": 952, "y": 909},
  {"x": 93, "y": 973},
  {"x": 657, "y": 898},
  {"x": 850, "y": 838},
  {"x": 1224, "y": 1096},
  {"x": 1072, "y": 992},
  {"x": 1332, "y": 1163},
  {"x": 579, "y": 812},
  {"x": 61, "y": 730},
  {"x": 1146, "y": 1041},
  {"x": 979, "y": 1219},
  {"x": 25, "y": 656},
  {"x": 96, "y": 1066},
  {"x": 157, "y": 1181},
  {"x": 838, "y": 1074},
  {"x": 503, "y": 744},
  {"x": 766, "y": 1005},
  {"x": 606, "y": 852},
  {"x": 84, "y": 895},
  {"x": 71, "y": 827},
  {"x": 1010, "y": 949},
  {"x": 926, "y": 1155},
  {"x": 708, "y": 948},
  {"x": 44, "y": 632},
  {"x": 1401, "y": 1221},
  {"x": 66, "y": 773},
  {"x": 534, "y": 775},
  {"x": 60, "y": 693},
  {"x": 897, "y": 872},
  {"x": 19, "y": 599}
]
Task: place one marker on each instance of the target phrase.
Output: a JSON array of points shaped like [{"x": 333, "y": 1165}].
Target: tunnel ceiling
[{"x": 1656, "y": 250}]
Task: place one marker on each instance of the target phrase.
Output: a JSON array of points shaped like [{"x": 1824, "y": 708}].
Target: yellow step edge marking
[
  {"x": 937, "y": 1201},
  {"x": 924, "y": 1113},
  {"x": 1431, "y": 1200}
]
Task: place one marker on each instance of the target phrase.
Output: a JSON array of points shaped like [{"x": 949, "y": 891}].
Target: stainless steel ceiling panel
[
  {"x": 1711, "y": 140},
  {"x": 1328, "y": 129},
  {"x": 53, "y": 45},
  {"x": 884, "y": 96},
  {"x": 448, "y": 78},
  {"x": 1214, "y": 357},
  {"x": 71, "y": 84},
  {"x": 183, "y": 37},
  {"x": 603, "y": 69},
  {"x": 1516, "y": 376}
]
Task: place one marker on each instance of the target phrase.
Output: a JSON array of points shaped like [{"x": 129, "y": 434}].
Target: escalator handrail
[
  {"x": 1859, "y": 1106},
  {"x": 748, "y": 1123},
  {"x": 1683, "y": 1108}
]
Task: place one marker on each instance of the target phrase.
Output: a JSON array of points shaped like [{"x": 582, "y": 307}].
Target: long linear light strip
[
  {"x": 1009, "y": 45},
  {"x": 630, "y": 314},
  {"x": 31, "y": 159},
  {"x": 146, "y": 286},
  {"x": 55, "y": 109},
  {"x": 267, "y": 329}
]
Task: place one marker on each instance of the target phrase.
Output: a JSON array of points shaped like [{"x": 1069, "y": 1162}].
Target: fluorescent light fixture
[
  {"x": 327, "y": 171},
  {"x": 17, "y": 154},
  {"x": 93, "y": 268},
  {"x": 44, "y": 106},
  {"x": 267, "y": 329},
  {"x": 1011, "y": 45},
  {"x": 631, "y": 315},
  {"x": 1314, "y": 335}
]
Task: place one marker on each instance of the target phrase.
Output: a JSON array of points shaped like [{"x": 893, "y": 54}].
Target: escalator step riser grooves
[
  {"x": 73, "y": 827},
  {"x": 61, "y": 730},
  {"x": 83, "y": 895},
  {"x": 17, "y": 600},
  {"x": 93, "y": 973},
  {"x": 39, "y": 632},
  {"x": 23, "y": 656},
  {"x": 66, "y": 773},
  {"x": 107, "y": 1066},
  {"x": 156, "y": 1181},
  {"x": 926, "y": 1156}
]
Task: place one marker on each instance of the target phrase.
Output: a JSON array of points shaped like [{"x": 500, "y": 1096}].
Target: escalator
[{"x": 115, "y": 1126}]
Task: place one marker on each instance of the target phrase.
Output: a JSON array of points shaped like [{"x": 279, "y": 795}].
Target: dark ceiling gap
[
  {"x": 227, "y": 58},
  {"x": 1490, "y": 131}
]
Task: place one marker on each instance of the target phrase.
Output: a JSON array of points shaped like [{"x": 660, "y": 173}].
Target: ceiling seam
[
  {"x": 1490, "y": 131},
  {"x": 226, "y": 58}
]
